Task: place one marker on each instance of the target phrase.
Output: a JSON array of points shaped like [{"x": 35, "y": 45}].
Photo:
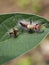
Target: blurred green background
[
  {"x": 36, "y": 56},
  {"x": 40, "y": 7}
]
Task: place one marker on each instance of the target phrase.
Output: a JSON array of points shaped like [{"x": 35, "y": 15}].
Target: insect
[
  {"x": 14, "y": 32},
  {"x": 32, "y": 27}
]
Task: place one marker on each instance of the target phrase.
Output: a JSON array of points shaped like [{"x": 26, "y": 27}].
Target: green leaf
[{"x": 14, "y": 47}]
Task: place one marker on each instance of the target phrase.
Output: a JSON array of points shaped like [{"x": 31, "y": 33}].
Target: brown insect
[{"x": 14, "y": 33}]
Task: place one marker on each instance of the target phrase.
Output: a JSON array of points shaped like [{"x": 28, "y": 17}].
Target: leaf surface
[{"x": 14, "y": 47}]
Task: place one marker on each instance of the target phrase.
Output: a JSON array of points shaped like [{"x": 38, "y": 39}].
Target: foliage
[{"x": 14, "y": 47}]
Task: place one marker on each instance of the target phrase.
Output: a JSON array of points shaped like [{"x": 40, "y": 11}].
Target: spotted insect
[{"x": 32, "y": 27}]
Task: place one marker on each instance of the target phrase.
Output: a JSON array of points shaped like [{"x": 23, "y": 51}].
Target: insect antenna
[{"x": 30, "y": 21}]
